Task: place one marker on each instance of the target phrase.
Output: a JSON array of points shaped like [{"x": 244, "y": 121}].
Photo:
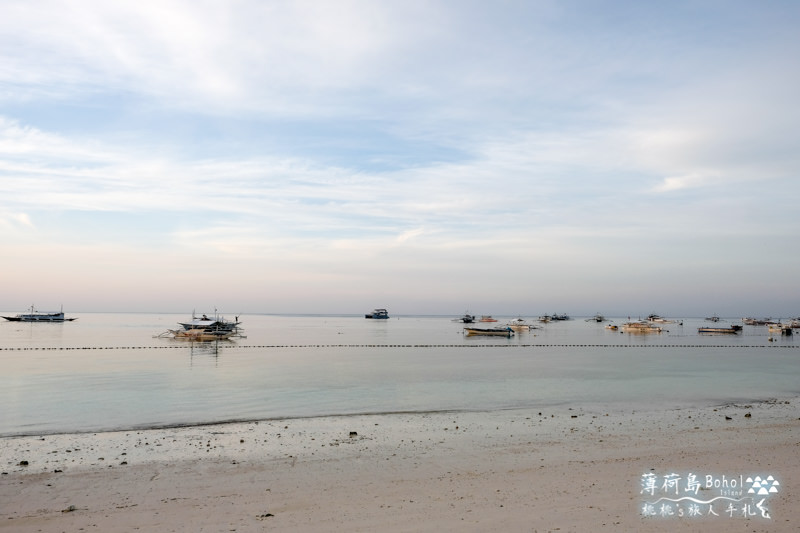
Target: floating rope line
[{"x": 283, "y": 346}]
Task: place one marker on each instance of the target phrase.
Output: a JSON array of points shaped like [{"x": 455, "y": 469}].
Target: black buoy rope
[{"x": 277, "y": 346}]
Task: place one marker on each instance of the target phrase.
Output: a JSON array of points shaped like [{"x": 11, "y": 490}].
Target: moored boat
[
  {"x": 36, "y": 316},
  {"x": 466, "y": 319},
  {"x": 750, "y": 321},
  {"x": 733, "y": 329},
  {"x": 487, "y": 318},
  {"x": 640, "y": 327},
  {"x": 204, "y": 328},
  {"x": 217, "y": 323},
  {"x": 380, "y": 314},
  {"x": 199, "y": 335},
  {"x": 493, "y": 332},
  {"x": 520, "y": 324},
  {"x": 783, "y": 329}
]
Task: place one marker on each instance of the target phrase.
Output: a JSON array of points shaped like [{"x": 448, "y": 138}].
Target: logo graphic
[
  {"x": 695, "y": 496},
  {"x": 763, "y": 486}
]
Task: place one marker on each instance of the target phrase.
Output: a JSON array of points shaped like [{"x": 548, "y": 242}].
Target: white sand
[{"x": 561, "y": 470}]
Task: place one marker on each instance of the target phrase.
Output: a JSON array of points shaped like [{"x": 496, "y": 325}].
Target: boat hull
[
  {"x": 39, "y": 318},
  {"x": 733, "y": 330},
  {"x": 489, "y": 332},
  {"x": 639, "y": 327},
  {"x": 519, "y": 325},
  {"x": 197, "y": 335}
]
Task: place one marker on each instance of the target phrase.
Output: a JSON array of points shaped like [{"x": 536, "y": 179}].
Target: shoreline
[
  {"x": 575, "y": 469},
  {"x": 611, "y": 407}
]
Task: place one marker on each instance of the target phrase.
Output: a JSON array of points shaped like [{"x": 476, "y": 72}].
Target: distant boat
[
  {"x": 712, "y": 318},
  {"x": 493, "y": 332},
  {"x": 640, "y": 327},
  {"x": 378, "y": 314},
  {"x": 487, "y": 318},
  {"x": 562, "y": 316},
  {"x": 520, "y": 325},
  {"x": 466, "y": 319},
  {"x": 783, "y": 329},
  {"x": 758, "y": 321},
  {"x": 658, "y": 319},
  {"x": 733, "y": 329},
  {"x": 612, "y": 327},
  {"x": 596, "y": 318},
  {"x": 36, "y": 316}
]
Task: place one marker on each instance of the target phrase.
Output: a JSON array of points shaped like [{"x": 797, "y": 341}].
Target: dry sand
[{"x": 521, "y": 470}]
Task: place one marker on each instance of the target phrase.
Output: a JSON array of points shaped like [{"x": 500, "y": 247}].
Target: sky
[{"x": 428, "y": 157}]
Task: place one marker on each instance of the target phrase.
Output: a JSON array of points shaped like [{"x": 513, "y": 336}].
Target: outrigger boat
[
  {"x": 198, "y": 335},
  {"x": 734, "y": 329},
  {"x": 758, "y": 321},
  {"x": 466, "y": 319},
  {"x": 378, "y": 314},
  {"x": 487, "y": 318},
  {"x": 783, "y": 329},
  {"x": 520, "y": 325},
  {"x": 640, "y": 327},
  {"x": 493, "y": 332},
  {"x": 658, "y": 319},
  {"x": 205, "y": 329},
  {"x": 36, "y": 316}
]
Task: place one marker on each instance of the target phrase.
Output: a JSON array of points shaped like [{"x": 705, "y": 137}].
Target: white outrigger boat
[
  {"x": 640, "y": 327},
  {"x": 520, "y": 324},
  {"x": 732, "y": 330},
  {"x": 36, "y": 316},
  {"x": 491, "y": 332},
  {"x": 658, "y": 319},
  {"x": 205, "y": 329}
]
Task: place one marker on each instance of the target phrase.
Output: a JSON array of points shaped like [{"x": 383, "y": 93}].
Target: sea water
[{"x": 110, "y": 371}]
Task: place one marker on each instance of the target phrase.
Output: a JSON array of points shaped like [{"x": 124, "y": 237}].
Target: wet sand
[{"x": 522, "y": 470}]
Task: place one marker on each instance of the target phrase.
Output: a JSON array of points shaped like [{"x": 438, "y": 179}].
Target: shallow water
[{"x": 107, "y": 371}]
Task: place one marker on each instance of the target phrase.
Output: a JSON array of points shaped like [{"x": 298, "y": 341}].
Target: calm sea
[{"x": 108, "y": 371}]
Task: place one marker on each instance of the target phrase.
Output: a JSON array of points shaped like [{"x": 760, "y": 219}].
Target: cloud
[
  {"x": 410, "y": 234},
  {"x": 676, "y": 183},
  {"x": 271, "y": 57},
  {"x": 15, "y": 221}
]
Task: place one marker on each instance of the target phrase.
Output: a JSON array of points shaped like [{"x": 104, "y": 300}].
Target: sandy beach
[{"x": 522, "y": 470}]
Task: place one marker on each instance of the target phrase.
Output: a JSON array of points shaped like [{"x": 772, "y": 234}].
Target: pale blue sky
[{"x": 423, "y": 156}]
